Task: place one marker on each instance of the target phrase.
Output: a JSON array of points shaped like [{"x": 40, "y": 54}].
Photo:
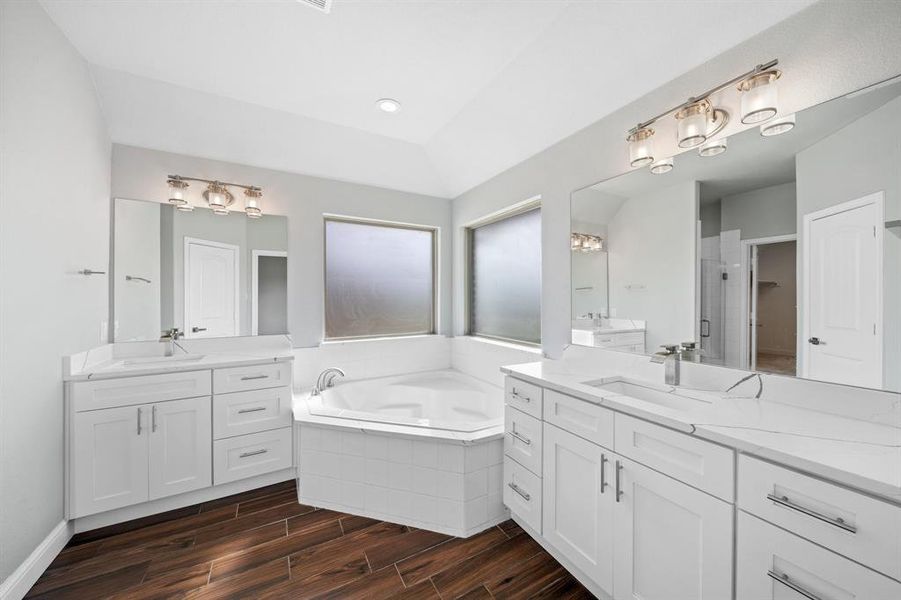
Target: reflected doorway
[{"x": 772, "y": 316}]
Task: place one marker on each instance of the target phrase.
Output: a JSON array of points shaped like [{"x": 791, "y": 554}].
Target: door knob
[
  {"x": 196, "y": 329},
  {"x": 815, "y": 341}
]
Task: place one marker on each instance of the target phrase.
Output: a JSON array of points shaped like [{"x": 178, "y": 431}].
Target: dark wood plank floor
[{"x": 263, "y": 544}]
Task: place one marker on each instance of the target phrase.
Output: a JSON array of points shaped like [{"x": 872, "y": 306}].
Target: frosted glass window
[
  {"x": 505, "y": 279},
  {"x": 379, "y": 280}
]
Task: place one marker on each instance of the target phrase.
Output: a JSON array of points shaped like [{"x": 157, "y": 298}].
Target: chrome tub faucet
[{"x": 326, "y": 380}]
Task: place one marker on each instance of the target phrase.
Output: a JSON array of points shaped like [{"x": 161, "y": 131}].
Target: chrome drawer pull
[
  {"x": 254, "y": 453},
  {"x": 252, "y": 377},
  {"x": 619, "y": 491},
  {"x": 787, "y": 582},
  {"x": 517, "y": 395},
  {"x": 516, "y": 488},
  {"x": 522, "y": 439},
  {"x": 153, "y": 418},
  {"x": 139, "y": 420},
  {"x": 837, "y": 521},
  {"x": 604, "y": 462},
  {"x": 250, "y": 410}
]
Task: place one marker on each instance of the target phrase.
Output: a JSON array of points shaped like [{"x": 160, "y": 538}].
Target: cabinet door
[
  {"x": 180, "y": 446},
  {"x": 578, "y": 501},
  {"x": 109, "y": 459},
  {"x": 672, "y": 541}
]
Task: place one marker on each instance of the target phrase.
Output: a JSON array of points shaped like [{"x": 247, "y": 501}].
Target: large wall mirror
[
  {"x": 208, "y": 275},
  {"x": 780, "y": 255}
]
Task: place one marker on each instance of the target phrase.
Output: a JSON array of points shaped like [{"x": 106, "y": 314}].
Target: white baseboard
[{"x": 20, "y": 581}]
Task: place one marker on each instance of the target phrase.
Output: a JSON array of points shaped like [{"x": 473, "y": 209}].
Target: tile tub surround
[
  {"x": 849, "y": 435},
  {"x": 441, "y": 485}
]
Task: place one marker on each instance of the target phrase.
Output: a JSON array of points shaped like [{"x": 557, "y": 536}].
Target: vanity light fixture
[
  {"x": 713, "y": 147},
  {"x": 177, "y": 187},
  {"x": 253, "y": 202},
  {"x": 759, "y": 97},
  {"x": 664, "y": 165},
  {"x": 778, "y": 126},
  {"x": 388, "y": 105},
  {"x": 699, "y": 120},
  {"x": 641, "y": 147},
  {"x": 585, "y": 242},
  {"x": 217, "y": 195}
]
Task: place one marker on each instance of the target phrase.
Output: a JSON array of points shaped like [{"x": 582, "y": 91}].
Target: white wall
[
  {"x": 653, "y": 263},
  {"x": 858, "y": 41},
  {"x": 54, "y": 220},
  {"x": 136, "y": 240},
  {"x": 763, "y": 212},
  {"x": 857, "y": 160},
  {"x": 139, "y": 173}
]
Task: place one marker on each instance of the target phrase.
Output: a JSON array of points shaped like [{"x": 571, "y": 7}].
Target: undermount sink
[
  {"x": 640, "y": 392},
  {"x": 150, "y": 360}
]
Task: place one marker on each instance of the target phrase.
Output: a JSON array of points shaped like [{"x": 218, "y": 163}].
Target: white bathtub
[
  {"x": 441, "y": 400},
  {"x": 423, "y": 449}
]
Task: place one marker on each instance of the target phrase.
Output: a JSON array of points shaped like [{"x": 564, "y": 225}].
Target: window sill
[
  {"x": 387, "y": 338},
  {"x": 511, "y": 345}
]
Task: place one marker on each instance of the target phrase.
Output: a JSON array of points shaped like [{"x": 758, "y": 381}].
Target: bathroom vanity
[
  {"x": 151, "y": 433},
  {"x": 650, "y": 491}
]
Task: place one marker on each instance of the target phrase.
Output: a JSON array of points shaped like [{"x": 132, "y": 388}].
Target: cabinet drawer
[
  {"x": 857, "y": 526},
  {"x": 253, "y": 454},
  {"x": 522, "y": 493},
  {"x": 522, "y": 439},
  {"x": 586, "y": 420},
  {"x": 773, "y": 563},
  {"x": 249, "y": 412},
  {"x": 256, "y": 377},
  {"x": 523, "y": 396},
  {"x": 701, "y": 464},
  {"x": 145, "y": 389}
]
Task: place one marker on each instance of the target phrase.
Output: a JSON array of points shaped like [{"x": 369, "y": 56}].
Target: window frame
[
  {"x": 433, "y": 316},
  {"x": 526, "y": 206}
]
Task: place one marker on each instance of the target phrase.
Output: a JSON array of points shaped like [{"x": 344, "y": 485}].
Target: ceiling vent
[{"x": 320, "y": 5}]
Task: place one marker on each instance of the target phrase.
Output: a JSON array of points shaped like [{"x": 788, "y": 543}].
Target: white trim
[
  {"x": 877, "y": 198},
  {"x": 745, "y": 327},
  {"x": 187, "y": 279},
  {"x": 505, "y": 212},
  {"x": 26, "y": 574},
  {"x": 255, "y": 283}
]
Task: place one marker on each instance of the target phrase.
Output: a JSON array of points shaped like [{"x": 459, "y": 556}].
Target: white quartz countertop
[
  {"x": 125, "y": 367},
  {"x": 861, "y": 454}
]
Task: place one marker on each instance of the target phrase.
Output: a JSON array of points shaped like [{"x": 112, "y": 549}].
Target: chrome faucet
[
  {"x": 326, "y": 380},
  {"x": 671, "y": 357},
  {"x": 171, "y": 337}
]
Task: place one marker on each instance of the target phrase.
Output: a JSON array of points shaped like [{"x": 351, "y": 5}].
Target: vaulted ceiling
[{"x": 483, "y": 84}]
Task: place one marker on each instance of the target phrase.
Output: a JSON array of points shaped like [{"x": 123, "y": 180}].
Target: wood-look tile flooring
[{"x": 263, "y": 544}]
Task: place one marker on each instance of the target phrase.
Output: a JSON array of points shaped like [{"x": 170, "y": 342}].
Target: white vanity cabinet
[
  {"x": 138, "y": 439},
  {"x": 127, "y": 455},
  {"x": 624, "y": 528}
]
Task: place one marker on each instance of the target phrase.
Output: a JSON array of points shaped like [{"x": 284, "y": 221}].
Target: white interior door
[
  {"x": 844, "y": 310},
  {"x": 180, "y": 449},
  {"x": 211, "y": 289}
]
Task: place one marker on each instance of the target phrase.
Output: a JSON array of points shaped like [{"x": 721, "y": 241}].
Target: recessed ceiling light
[{"x": 388, "y": 105}]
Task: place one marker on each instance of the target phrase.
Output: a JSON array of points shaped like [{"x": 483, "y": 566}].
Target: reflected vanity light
[
  {"x": 759, "y": 97},
  {"x": 693, "y": 124},
  {"x": 217, "y": 196},
  {"x": 664, "y": 165},
  {"x": 641, "y": 147},
  {"x": 585, "y": 242},
  {"x": 713, "y": 147},
  {"x": 778, "y": 126}
]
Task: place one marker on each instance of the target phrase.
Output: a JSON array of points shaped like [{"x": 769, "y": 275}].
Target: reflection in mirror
[
  {"x": 780, "y": 255},
  {"x": 207, "y": 275}
]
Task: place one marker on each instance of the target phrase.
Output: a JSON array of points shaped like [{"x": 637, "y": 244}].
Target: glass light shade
[
  {"x": 759, "y": 97},
  {"x": 712, "y": 147},
  {"x": 253, "y": 203},
  {"x": 218, "y": 198},
  {"x": 664, "y": 165},
  {"x": 777, "y": 126},
  {"x": 641, "y": 147},
  {"x": 693, "y": 123},
  {"x": 220, "y": 211},
  {"x": 184, "y": 208},
  {"x": 177, "y": 192}
]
